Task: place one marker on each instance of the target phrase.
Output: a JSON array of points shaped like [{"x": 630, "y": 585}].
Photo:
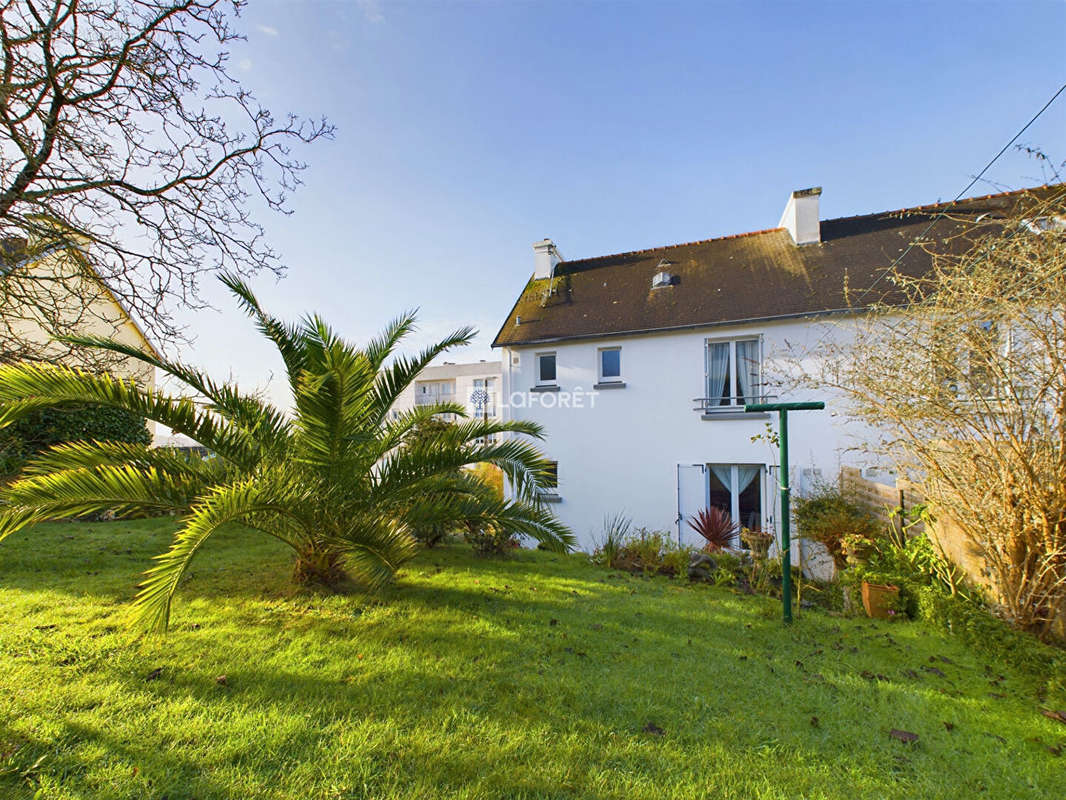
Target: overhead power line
[{"x": 888, "y": 270}]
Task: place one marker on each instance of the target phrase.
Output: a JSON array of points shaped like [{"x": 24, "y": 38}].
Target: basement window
[
  {"x": 549, "y": 492},
  {"x": 551, "y": 475}
]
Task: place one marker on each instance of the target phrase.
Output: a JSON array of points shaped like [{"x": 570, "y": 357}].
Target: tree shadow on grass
[
  {"x": 432, "y": 668},
  {"x": 421, "y": 714},
  {"x": 416, "y": 724}
]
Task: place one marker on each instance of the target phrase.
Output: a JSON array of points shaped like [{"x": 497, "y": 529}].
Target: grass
[{"x": 537, "y": 676}]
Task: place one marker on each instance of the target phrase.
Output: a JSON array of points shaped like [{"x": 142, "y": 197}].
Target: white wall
[{"x": 620, "y": 451}]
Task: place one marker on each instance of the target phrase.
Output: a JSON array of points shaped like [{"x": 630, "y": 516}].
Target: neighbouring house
[
  {"x": 179, "y": 443},
  {"x": 639, "y": 364},
  {"x": 476, "y": 386},
  {"x": 51, "y": 289}
]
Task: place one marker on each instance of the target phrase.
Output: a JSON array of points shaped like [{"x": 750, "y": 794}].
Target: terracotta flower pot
[{"x": 878, "y": 600}]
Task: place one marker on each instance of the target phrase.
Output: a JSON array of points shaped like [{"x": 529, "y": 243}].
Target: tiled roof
[{"x": 751, "y": 276}]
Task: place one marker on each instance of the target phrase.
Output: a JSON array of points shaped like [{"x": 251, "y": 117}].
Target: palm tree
[{"x": 341, "y": 480}]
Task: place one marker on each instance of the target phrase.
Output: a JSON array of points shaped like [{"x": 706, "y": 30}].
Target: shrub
[
  {"x": 989, "y": 635},
  {"x": 616, "y": 531},
  {"x": 828, "y": 515},
  {"x": 729, "y": 570},
  {"x": 931, "y": 590},
  {"x": 715, "y": 526},
  {"x": 644, "y": 551},
  {"x": 40, "y": 430},
  {"x": 490, "y": 541},
  {"x": 431, "y": 535},
  {"x": 676, "y": 560},
  {"x": 490, "y": 475}
]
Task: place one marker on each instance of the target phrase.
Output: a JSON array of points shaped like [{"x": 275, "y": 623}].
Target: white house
[
  {"x": 638, "y": 364},
  {"x": 474, "y": 385}
]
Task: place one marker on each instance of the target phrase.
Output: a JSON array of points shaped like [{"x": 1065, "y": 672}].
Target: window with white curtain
[
  {"x": 737, "y": 490},
  {"x": 733, "y": 372}
]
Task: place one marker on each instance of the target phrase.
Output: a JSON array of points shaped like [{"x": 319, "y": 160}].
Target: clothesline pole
[{"x": 782, "y": 410}]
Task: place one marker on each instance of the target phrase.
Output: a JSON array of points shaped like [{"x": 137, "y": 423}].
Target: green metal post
[
  {"x": 782, "y": 410},
  {"x": 786, "y": 532}
]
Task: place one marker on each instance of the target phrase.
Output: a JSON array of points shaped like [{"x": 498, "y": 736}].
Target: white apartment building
[{"x": 474, "y": 385}]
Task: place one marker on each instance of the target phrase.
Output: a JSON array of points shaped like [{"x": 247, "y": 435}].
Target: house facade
[
  {"x": 638, "y": 365},
  {"x": 52, "y": 290}
]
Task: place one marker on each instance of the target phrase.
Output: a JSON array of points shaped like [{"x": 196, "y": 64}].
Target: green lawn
[{"x": 535, "y": 676}]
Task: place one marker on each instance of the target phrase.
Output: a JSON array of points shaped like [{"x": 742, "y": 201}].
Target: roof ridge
[
  {"x": 669, "y": 246},
  {"x": 945, "y": 203},
  {"x": 921, "y": 208}
]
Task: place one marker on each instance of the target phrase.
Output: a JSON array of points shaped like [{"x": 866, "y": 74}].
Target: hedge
[{"x": 43, "y": 429}]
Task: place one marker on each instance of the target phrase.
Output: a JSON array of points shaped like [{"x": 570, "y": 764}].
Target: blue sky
[{"x": 468, "y": 130}]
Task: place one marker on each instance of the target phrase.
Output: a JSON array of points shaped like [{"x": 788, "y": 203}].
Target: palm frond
[
  {"x": 393, "y": 379},
  {"x": 76, "y": 455},
  {"x": 83, "y": 490},
  {"x": 286, "y": 337},
  {"x": 260, "y": 420},
  {"x": 522, "y": 463},
  {"x": 381, "y": 347},
  {"x": 230, "y": 503},
  {"x": 395, "y": 431},
  {"x": 333, "y": 408},
  {"x": 481, "y": 508},
  {"x": 30, "y": 386},
  {"x": 375, "y": 547}
]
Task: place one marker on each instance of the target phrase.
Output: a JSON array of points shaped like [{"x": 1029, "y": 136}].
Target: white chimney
[
  {"x": 801, "y": 216},
  {"x": 545, "y": 257}
]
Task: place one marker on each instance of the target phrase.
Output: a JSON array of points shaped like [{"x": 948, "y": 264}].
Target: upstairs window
[
  {"x": 970, "y": 361},
  {"x": 982, "y": 358},
  {"x": 610, "y": 368},
  {"x": 733, "y": 371},
  {"x": 545, "y": 369},
  {"x": 1040, "y": 225}
]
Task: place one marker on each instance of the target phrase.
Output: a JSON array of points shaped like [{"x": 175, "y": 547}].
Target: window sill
[
  {"x": 711, "y": 415},
  {"x": 549, "y": 497},
  {"x": 551, "y": 388},
  {"x": 609, "y": 385}
]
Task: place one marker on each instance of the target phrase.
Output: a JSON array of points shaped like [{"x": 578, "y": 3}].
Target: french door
[{"x": 737, "y": 489}]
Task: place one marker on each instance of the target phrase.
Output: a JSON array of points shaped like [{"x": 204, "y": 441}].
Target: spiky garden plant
[
  {"x": 716, "y": 526},
  {"x": 340, "y": 480}
]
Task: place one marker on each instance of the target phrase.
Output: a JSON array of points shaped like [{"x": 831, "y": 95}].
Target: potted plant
[
  {"x": 757, "y": 541},
  {"x": 880, "y": 599}
]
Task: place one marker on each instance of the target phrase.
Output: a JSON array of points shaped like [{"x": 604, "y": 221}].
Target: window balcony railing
[
  {"x": 434, "y": 399},
  {"x": 480, "y": 403},
  {"x": 712, "y": 405}
]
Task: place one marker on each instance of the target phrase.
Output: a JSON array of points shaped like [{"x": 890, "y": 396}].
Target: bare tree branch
[
  {"x": 124, "y": 139},
  {"x": 963, "y": 384}
]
